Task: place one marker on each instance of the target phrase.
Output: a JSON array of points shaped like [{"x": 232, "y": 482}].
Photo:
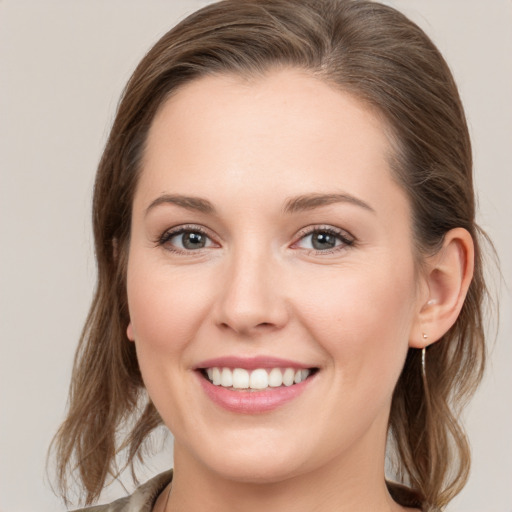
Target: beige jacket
[{"x": 142, "y": 500}]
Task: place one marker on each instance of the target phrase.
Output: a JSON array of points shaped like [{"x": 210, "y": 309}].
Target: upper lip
[{"x": 251, "y": 363}]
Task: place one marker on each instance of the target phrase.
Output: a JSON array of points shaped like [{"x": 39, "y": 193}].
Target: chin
[
  {"x": 258, "y": 471},
  {"x": 253, "y": 462}
]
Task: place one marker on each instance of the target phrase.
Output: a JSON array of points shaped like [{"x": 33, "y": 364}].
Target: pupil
[
  {"x": 323, "y": 241},
  {"x": 193, "y": 241}
]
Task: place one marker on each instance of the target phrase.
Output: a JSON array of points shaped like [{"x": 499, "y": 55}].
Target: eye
[
  {"x": 326, "y": 239},
  {"x": 185, "y": 239}
]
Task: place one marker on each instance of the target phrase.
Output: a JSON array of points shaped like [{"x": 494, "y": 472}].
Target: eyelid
[
  {"x": 163, "y": 239},
  {"x": 346, "y": 238}
]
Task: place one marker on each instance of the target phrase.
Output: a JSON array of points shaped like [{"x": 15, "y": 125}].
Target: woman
[{"x": 289, "y": 270}]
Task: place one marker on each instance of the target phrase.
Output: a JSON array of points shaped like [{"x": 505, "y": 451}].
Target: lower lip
[{"x": 252, "y": 402}]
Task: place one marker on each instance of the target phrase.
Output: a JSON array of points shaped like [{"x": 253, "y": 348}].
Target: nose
[{"x": 252, "y": 296}]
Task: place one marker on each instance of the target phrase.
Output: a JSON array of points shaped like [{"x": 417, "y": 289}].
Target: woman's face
[{"x": 269, "y": 241}]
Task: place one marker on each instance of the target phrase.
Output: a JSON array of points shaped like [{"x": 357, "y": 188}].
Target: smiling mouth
[{"x": 258, "y": 379}]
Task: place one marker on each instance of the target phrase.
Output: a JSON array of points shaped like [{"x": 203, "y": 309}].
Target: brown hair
[{"x": 374, "y": 53}]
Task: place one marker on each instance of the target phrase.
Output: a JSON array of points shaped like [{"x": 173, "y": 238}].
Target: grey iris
[
  {"x": 322, "y": 241},
  {"x": 193, "y": 240}
]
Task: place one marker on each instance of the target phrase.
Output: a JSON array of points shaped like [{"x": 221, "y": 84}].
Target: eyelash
[
  {"x": 346, "y": 239},
  {"x": 171, "y": 233},
  {"x": 343, "y": 236}
]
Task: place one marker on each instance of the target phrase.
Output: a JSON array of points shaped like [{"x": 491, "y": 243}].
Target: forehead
[
  {"x": 287, "y": 129},
  {"x": 290, "y": 101}
]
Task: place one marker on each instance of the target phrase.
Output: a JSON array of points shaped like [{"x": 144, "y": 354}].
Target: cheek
[
  {"x": 365, "y": 320},
  {"x": 165, "y": 308}
]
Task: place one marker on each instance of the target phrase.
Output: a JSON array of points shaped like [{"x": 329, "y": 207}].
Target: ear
[
  {"x": 447, "y": 276},
  {"x": 129, "y": 332}
]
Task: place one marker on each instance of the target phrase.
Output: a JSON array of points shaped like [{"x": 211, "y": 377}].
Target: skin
[{"x": 259, "y": 288}]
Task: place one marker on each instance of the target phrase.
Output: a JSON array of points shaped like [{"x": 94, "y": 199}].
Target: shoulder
[{"x": 141, "y": 500}]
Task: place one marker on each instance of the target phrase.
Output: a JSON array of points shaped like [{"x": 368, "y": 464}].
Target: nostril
[{"x": 247, "y": 328}]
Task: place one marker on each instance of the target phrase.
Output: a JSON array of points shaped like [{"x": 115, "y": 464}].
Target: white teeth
[
  {"x": 226, "y": 378},
  {"x": 288, "y": 376},
  {"x": 300, "y": 375},
  {"x": 239, "y": 378},
  {"x": 216, "y": 378},
  {"x": 259, "y": 379},
  {"x": 275, "y": 378}
]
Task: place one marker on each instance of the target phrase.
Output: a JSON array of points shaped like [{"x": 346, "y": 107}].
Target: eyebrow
[
  {"x": 190, "y": 203},
  {"x": 292, "y": 205},
  {"x": 311, "y": 201}
]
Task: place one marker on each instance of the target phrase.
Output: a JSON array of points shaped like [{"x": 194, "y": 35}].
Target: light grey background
[{"x": 62, "y": 67}]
